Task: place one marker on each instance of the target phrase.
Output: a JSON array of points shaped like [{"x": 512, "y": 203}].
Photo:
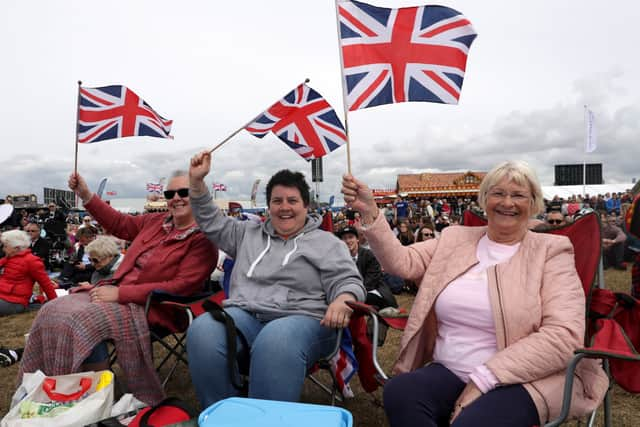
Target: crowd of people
[{"x": 476, "y": 343}]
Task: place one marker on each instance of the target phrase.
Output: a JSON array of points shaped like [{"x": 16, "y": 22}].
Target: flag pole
[
  {"x": 584, "y": 155},
  {"x": 242, "y": 127},
  {"x": 344, "y": 91},
  {"x": 75, "y": 160}
]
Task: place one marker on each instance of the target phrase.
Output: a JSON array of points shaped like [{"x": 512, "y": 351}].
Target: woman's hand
[
  {"x": 199, "y": 168},
  {"x": 79, "y": 186},
  {"x": 105, "y": 293},
  {"x": 338, "y": 313},
  {"x": 359, "y": 197},
  {"x": 470, "y": 393}
]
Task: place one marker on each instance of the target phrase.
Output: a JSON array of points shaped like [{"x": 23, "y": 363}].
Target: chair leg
[{"x": 607, "y": 397}]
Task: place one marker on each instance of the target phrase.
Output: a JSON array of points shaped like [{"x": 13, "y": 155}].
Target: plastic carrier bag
[{"x": 62, "y": 401}]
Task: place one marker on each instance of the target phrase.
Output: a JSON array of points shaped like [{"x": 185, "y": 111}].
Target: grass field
[{"x": 366, "y": 408}]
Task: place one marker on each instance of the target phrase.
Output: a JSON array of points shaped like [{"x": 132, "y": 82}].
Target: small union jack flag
[
  {"x": 401, "y": 55},
  {"x": 219, "y": 187},
  {"x": 154, "y": 188},
  {"x": 304, "y": 121},
  {"x": 116, "y": 112}
]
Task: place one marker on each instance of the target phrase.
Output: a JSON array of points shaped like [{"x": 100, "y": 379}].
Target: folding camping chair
[
  {"x": 186, "y": 307},
  {"x": 605, "y": 338}
]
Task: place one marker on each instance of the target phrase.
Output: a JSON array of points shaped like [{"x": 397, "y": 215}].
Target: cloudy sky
[{"x": 212, "y": 66}]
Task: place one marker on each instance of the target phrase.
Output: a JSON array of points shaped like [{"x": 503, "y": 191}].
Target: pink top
[{"x": 466, "y": 332}]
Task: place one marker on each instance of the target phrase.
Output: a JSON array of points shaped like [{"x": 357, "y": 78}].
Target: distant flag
[
  {"x": 591, "y": 137},
  {"x": 304, "y": 121},
  {"x": 112, "y": 193},
  {"x": 401, "y": 55},
  {"x": 110, "y": 112},
  {"x": 219, "y": 187},
  {"x": 101, "y": 186},
  {"x": 154, "y": 188}
]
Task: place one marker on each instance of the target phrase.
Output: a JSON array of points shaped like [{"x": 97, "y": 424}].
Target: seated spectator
[
  {"x": 287, "y": 293},
  {"x": 105, "y": 256},
  {"x": 78, "y": 268},
  {"x": 498, "y": 315},
  {"x": 20, "y": 269},
  {"x": 168, "y": 252},
  {"x": 555, "y": 219},
  {"x": 378, "y": 293},
  {"x": 40, "y": 247},
  {"x": 442, "y": 222},
  {"x": 613, "y": 239},
  {"x": 425, "y": 233},
  {"x": 86, "y": 221},
  {"x": 405, "y": 235}
]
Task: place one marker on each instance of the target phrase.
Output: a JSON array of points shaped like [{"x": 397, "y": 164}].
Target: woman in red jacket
[{"x": 19, "y": 270}]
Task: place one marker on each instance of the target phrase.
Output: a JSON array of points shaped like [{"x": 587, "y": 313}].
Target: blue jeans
[{"x": 281, "y": 351}]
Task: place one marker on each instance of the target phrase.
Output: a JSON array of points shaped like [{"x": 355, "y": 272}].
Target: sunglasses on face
[
  {"x": 555, "y": 221},
  {"x": 427, "y": 234},
  {"x": 94, "y": 260},
  {"x": 182, "y": 192}
]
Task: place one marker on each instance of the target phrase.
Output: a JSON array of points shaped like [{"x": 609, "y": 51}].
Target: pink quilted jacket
[{"x": 538, "y": 308}]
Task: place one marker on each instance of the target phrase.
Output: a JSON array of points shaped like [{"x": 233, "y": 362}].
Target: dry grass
[{"x": 366, "y": 408}]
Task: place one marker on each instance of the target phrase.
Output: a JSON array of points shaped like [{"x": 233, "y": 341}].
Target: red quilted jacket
[{"x": 19, "y": 273}]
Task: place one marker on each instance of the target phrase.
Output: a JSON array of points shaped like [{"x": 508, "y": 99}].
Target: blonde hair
[
  {"x": 102, "y": 247},
  {"x": 516, "y": 171}
]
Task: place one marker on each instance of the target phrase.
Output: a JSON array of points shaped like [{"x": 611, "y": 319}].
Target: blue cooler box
[{"x": 240, "y": 412}]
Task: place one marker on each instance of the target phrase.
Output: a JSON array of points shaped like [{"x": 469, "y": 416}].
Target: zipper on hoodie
[{"x": 501, "y": 305}]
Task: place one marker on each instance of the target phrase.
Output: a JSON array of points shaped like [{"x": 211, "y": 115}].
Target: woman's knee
[
  {"x": 395, "y": 394},
  {"x": 204, "y": 333}
]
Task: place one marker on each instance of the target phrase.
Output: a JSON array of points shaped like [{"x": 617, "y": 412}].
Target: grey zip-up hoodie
[{"x": 276, "y": 277}]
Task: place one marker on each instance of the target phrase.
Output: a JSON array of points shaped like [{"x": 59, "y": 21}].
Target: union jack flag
[
  {"x": 219, "y": 187},
  {"x": 401, "y": 55},
  {"x": 344, "y": 364},
  {"x": 154, "y": 188},
  {"x": 116, "y": 112},
  {"x": 304, "y": 121}
]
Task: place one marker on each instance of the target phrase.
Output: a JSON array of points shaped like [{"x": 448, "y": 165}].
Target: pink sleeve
[{"x": 483, "y": 378}]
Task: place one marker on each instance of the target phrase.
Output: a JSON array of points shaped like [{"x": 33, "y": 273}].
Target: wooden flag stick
[
  {"x": 244, "y": 126},
  {"x": 344, "y": 90},
  {"x": 75, "y": 160}
]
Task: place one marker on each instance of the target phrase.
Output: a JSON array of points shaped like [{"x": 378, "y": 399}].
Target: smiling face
[
  {"x": 287, "y": 210},
  {"x": 179, "y": 207},
  {"x": 351, "y": 241},
  {"x": 508, "y": 209}
]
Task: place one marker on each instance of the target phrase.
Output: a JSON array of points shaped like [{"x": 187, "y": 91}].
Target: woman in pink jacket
[{"x": 498, "y": 315}]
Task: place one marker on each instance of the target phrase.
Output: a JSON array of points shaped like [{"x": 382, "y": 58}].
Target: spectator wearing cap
[{"x": 378, "y": 293}]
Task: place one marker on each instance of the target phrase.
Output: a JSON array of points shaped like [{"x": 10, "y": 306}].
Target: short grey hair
[
  {"x": 519, "y": 172},
  {"x": 102, "y": 247},
  {"x": 16, "y": 239},
  {"x": 177, "y": 173}
]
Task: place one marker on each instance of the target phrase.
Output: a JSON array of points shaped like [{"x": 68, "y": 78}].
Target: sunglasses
[
  {"x": 427, "y": 234},
  {"x": 182, "y": 192},
  {"x": 94, "y": 260},
  {"x": 555, "y": 221}
]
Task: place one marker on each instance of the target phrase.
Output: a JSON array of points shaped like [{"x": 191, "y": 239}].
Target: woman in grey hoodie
[{"x": 289, "y": 285}]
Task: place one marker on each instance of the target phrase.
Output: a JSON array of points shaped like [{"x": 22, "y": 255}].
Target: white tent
[{"x": 566, "y": 191}]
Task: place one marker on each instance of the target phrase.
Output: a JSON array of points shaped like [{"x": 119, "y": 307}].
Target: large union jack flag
[
  {"x": 401, "y": 55},
  {"x": 304, "y": 121},
  {"x": 116, "y": 112}
]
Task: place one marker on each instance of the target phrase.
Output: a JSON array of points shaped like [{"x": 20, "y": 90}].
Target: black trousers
[{"x": 426, "y": 398}]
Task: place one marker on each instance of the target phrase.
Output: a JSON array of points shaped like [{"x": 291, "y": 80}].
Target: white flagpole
[
  {"x": 584, "y": 156},
  {"x": 244, "y": 126},
  {"x": 344, "y": 89}
]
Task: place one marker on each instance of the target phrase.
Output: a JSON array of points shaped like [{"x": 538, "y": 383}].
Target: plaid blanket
[{"x": 68, "y": 328}]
